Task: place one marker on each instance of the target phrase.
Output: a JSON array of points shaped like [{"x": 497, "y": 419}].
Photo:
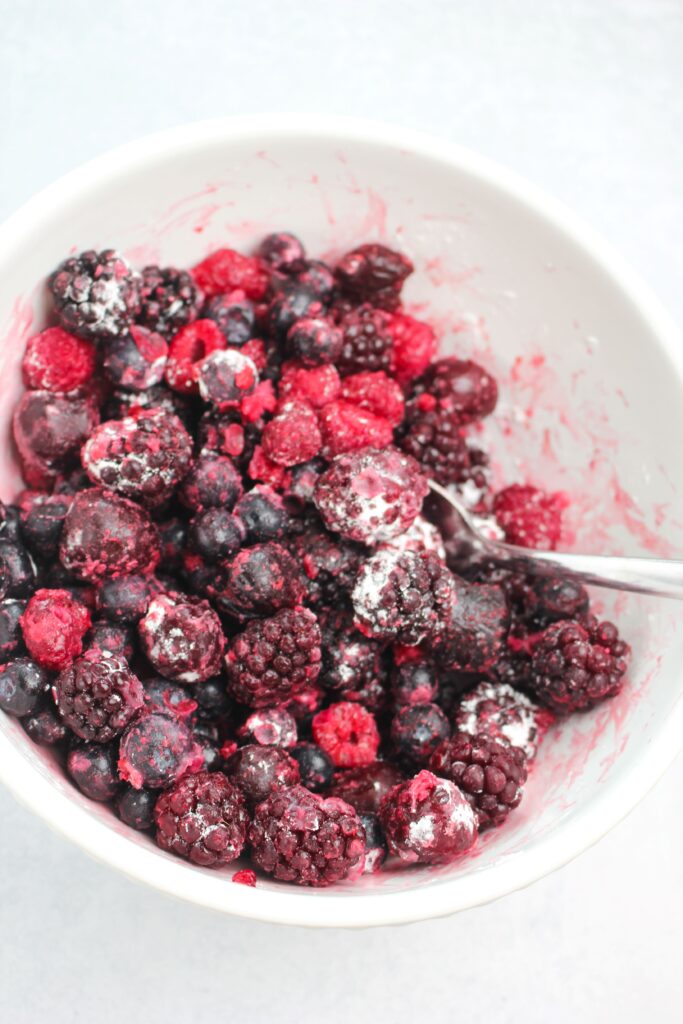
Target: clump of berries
[{"x": 221, "y": 601}]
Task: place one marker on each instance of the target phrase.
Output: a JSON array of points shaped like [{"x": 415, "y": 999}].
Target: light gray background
[{"x": 585, "y": 97}]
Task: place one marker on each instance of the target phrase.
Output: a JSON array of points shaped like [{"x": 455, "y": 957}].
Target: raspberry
[
  {"x": 314, "y": 341},
  {"x": 23, "y": 685},
  {"x": 57, "y": 361},
  {"x": 258, "y": 581},
  {"x": 300, "y": 837},
  {"x": 123, "y": 600},
  {"x": 368, "y": 344},
  {"x": 427, "y": 820},
  {"x": 156, "y": 750},
  {"x": 529, "y": 517},
  {"x": 95, "y": 294},
  {"x": 42, "y": 522},
  {"x": 377, "y": 393},
  {"x": 213, "y": 481},
  {"x": 352, "y": 663},
  {"x": 576, "y": 665},
  {"x": 404, "y": 596},
  {"x": 459, "y": 387},
  {"x": 436, "y": 441},
  {"x": 169, "y": 299},
  {"x": 235, "y": 316},
  {"x": 53, "y": 626},
  {"x": 226, "y": 270},
  {"x": 262, "y": 468},
  {"x": 135, "y": 807},
  {"x": 142, "y": 457},
  {"x": 11, "y": 638},
  {"x": 226, "y": 377},
  {"x": 16, "y": 569},
  {"x": 417, "y": 730},
  {"x": 371, "y": 496},
  {"x": 317, "y": 279},
  {"x": 264, "y": 515},
  {"x": 348, "y": 733},
  {"x": 330, "y": 565},
  {"x": 490, "y": 773},
  {"x": 282, "y": 251},
  {"x": 49, "y": 431},
  {"x": 203, "y": 818},
  {"x": 215, "y": 534},
  {"x": 315, "y": 767},
  {"x": 98, "y": 696},
  {"x": 414, "y": 346},
  {"x": 182, "y": 638},
  {"x": 253, "y": 407},
  {"x": 106, "y": 535},
  {"x": 270, "y": 727},
  {"x": 92, "y": 767},
  {"x": 414, "y": 682},
  {"x": 318, "y": 386},
  {"x": 274, "y": 658},
  {"x": 374, "y": 273},
  {"x": 187, "y": 351},
  {"x": 135, "y": 360},
  {"x": 497, "y": 712},
  {"x": 259, "y": 771},
  {"x": 472, "y": 640},
  {"x": 348, "y": 428},
  {"x": 219, "y": 434},
  {"x": 292, "y": 436}
]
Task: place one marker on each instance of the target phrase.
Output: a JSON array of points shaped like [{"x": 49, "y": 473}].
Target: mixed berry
[{"x": 221, "y": 603}]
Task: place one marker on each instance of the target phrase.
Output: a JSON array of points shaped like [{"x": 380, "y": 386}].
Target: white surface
[{"x": 586, "y": 100}]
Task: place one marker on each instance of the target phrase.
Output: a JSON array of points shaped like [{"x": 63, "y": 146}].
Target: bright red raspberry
[
  {"x": 317, "y": 385},
  {"x": 54, "y": 625},
  {"x": 57, "y": 361},
  {"x": 259, "y": 402},
  {"x": 530, "y": 517},
  {"x": 414, "y": 346},
  {"x": 225, "y": 270},
  {"x": 376, "y": 392},
  {"x": 348, "y": 428},
  {"x": 348, "y": 733},
  {"x": 188, "y": 350},
  {"x": 266, "y": 471},
  {"x": 292, "y": 436}
]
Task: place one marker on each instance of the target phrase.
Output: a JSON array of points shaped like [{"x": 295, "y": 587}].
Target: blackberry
[
  {"x": 274, "y": 658},
  {"x": 107, "y": 535},
  {"x": 23, "y": 684},
  {"x": 212, "y": 481},
  {"x": 123, "y": 600},
  {"x": 330, "y": 565},
  {"x": 136, "y": 360},
  {"x": 367, "y": 342},
  {"x": 352, "y": 664},
  {"x": 436, "y": 441},
  {"x": 235, "y": 316},
  {"x": 374, "y": 273},
  {"x": 283, "y": 252},
  {"x": 300, "y": 837},
  {"x": 314, "y": 341},
  {"x": 42, "y": 521},
  {"x": 498, "y": 712},
  {"x": 575, "y": 665},
  {"x": 169, "y": 299},
  {"x": 264, "y": 514},
  {"x": 11, "y": 637},
  {"x": 491, "y": 773},
  {"x": 258, "y": 581},
  {"x": 203, "y": 819},
  {"x": 376, "y": 848},
  {"x": 404, "y": 596},
  {"x": 259, "y": 771},
  {"x": 92, "y": 767},
  {"x": 96, "y": 295},
  {"x": 315, "y": 766},
  {"x": 98, "y": 696},
  {"x": 215, "y": 534},
  {"x": 417, "y": 730},
  {"x": 427, "y": 820},
  {"x": 156, "y": 750},
  {"x": 182, "y": 638},
  {"x": 135, "y": 807}
]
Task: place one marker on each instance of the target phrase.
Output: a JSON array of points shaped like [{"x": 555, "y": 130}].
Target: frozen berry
[
  {"x": 292, "y": 436},
  {"x": 135, "y": 807},
  {"x": 414, "y": 682},
  {"x": 16, "y": 569},
  {"x": 136, "y": 360},
  {"x": 258, "y": 581},
  {"x": 314, "y": 341},
  {"x": 437, "y": 442},
  {"x": 489, "y": 772},
  {"x": 49, "y": 431},
  {"x": 293, "y": 304},
  {"x": 317, "y": 279},
  {"x": 414, "y": 346},
  {"x": 226, "y": 377},
  {"x": 43, "y": 725},
  {"x": 264, "y": 514},
  {"x": 123, "y": 600},
  {"x": 316, "y": 385},
  {"x": 215, "y": 534},
  {"x": 42, "y": 521},
  {"x": 274, "y": 658},
  {"x": 122, "y": 403},
  {"x": 169, "y": 299},
  {"x": 182, "y": 638},
  {"x": 213, "y": 481},
  {"x": 156, "y": 750},
  {"x": 298, "y": 836},
  {"x": 107, "y": 535},
  {"x": 428, "y": 820},
  {"x": 352, "y": 663},
  {"x": 376, "y": 848},
  {"x": 259, "y": 771},
  {"x": 57, "y": 361},
  {"x": 23, "y": 684},
  {"x": 498, "y": 712},
  {"x": 203, "y": 819},
  {"x": 348, "y": 733},
  {"x": 96, "y": 295},
  {"x": 97, "y": 696},
  {"x": 372, "y": 495},
  {"x": 315, "y": 766},
  {"x": 270, "y": 727},
  {"x": 92, "y": 766},
  {"x": 345, "y": 427},
  {"x": 374, "y": 273},
  {"x": 529, "y": 517},
  {"x": 474, "y": 635},
  {"x": 282, "y": 251},
  {"x": 11, "y": 637},
  {"x": 417, "y": 730},
  {"x": 460, "y": 387},
  {"x": 54, "y": 625},
  {"x": 365, "y": 787},
  {"x": 377, "y": 393},
  {"x": 235, "y": 316},
  {"x": 170, "y": 697},
  {"x": 110, "y": 639},
  {"x": 367, "y": 342},
  {"x": 187, "y": 351},
  {"x": 556, "y": 598},
  {"x": 225, "y": 270},
  {"x": 330, "y": 565}
]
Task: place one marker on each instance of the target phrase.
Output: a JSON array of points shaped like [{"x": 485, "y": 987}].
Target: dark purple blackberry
[
  {"x": 123, "y": 600},
  {"x": 97, "y": 696},
  {"x": 414, "y": 682},
  {"x": 258, "y": 581},
  {"x": 283, "y": 252},
  {"x": 491, "y": 773},
  {"x": 135, "y": 807},
  {"x": 293, "y": 304},
  {"x": 136, "y": 360},
  {"x": 96, "y": 295},
  {"x": 274, "y": 658},
  {"x": 314, "y": 341},
  {"x": 42, "y": 521},
  {"x": 427, "y": 820},
  {"x": 353, "y": 666},
  {"x": 44, "y": 726},
  {"x": 92, "y": 767},
  {"x": 17, "y": 569},
  {"x": 475, "y": 633},
  {"x": 376, "y": 848},
  {"x": 215, "y": 534},
  {"x": 368, "y": 343},
  {"x": 182, "y": 638},
  {"x": 107, "y": 535},
  {"x": 299, "y": 837},
  {"x": 203, "y": 819},
  {"x": 435, "y": 440},
  {"x": 260, "y": 771},
  {"x": 169, "y": 299},
  {"x": 315, "y": 766},
  {"x": 212, "y": 481},
  {"x": 576, "y": 665},
  {"x": 235, "y": 316},
  {"x": 119, "y": 641},
  {"x": 317, "y": 279},
  {"x": 330, "y": 565},
  {"x": 458, "y": 387},
  {"x": 23, "y": 685},
  {"x": 11, "y": 639},
  {"x": 156, "y": 750},
  {"x": 417, "y": 730},
  {"x": 263, "y": 512},
  {"x": 498, "y": 711},
  {"x": 373, "y": 273}
]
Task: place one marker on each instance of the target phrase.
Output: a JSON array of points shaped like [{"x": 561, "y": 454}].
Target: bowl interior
[{"x": 590, "y": 404}]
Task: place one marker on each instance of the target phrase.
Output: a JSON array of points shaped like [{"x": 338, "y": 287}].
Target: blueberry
[
  {"x": 22, "y": 684},
  {"x": 314, "y": 764}
]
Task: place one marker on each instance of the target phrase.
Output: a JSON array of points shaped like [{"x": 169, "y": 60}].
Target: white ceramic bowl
[{"x": 591, "y": 375}]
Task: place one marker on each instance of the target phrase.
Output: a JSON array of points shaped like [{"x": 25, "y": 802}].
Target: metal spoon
[{"x": 464, "y": 537}]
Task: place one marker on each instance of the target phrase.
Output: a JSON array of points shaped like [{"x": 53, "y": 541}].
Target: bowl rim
[{"x": 347, "y": 907}]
